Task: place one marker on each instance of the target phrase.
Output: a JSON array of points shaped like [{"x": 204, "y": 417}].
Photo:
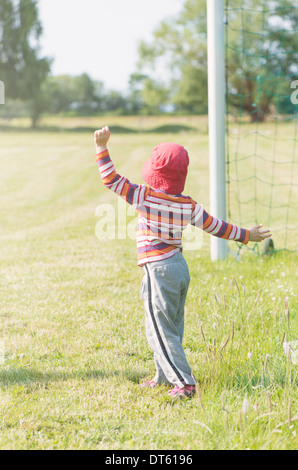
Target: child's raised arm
[{"x": 133, "y": 194}]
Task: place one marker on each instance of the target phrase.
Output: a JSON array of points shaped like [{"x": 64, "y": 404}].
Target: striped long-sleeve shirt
[{"x": 163, "y": 217}]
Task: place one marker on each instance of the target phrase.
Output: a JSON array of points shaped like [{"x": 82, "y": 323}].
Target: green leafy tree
[
  {"x": 147, "y": 96},
  {"x": 113, "y": 100},
  {"x": 81, "y": 95},
  {"x": 262, "y": 55},
  {"x": 135, "y": 98},
  {"x": 60, "y": 94},
  {"x": 84, "y": 90},
  {"x": 154, "y": 96},
  {"x": 179, "y": 49},
  {"x": 21, "y": 68}
]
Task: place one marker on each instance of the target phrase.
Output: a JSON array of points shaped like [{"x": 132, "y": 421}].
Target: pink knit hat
[{"x": 167, "y": 168}]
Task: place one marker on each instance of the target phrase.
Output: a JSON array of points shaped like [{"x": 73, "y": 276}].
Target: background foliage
[{"x": 171, "y": 75}]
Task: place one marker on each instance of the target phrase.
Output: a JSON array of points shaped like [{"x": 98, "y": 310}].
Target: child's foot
[
  {"x": 186, "y": 392},
  {"x": 150, "y": 384}
]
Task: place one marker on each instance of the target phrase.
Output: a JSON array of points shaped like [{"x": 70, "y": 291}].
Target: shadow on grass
[
  {"x": 170, "y": 128},
  {"x": 31, "y": 379},
  {"x": 26, "y": 376}
]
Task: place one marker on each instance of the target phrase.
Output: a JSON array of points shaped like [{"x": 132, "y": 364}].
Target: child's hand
[
  {"x": 101, "y": 138},
  {"x": 257, "y": 235}
]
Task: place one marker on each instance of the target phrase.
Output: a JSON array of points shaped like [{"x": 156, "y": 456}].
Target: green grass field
[{"x": 73, "y": 348}]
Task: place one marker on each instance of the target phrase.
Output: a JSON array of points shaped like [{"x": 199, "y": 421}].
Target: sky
[{"x": 100, "y": 37}]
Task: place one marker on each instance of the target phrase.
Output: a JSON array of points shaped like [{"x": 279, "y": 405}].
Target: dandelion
[
  {"x": 224, "y": 344},
  {"x": 223, "y": 400},
  {"x": 266, "y": 362},
  {"x": 287, "y": 308},
  {"x": 286, "y": 348},
  {"x": 289, "y": 411},
  {"x": 240, "y": 420},
  {"x": 2, "y": 353},
  {"x": 245, "y": 406},
  {"x": 269, "y": 402},
  {"x": 291, "y": 351},
  {"x": 275, "y": 314},
  {"x": 199, "y": 395},
  {"x": 225, "y": 409}
]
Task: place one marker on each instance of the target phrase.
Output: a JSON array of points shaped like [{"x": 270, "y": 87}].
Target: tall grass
[{"x": 73, "y": 347}]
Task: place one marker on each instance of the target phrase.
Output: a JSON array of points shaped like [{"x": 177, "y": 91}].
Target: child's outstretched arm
[{"x": 221, "y": 229}]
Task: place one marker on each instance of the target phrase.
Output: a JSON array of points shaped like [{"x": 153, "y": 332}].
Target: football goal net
[{"x": 261, "y": 118}]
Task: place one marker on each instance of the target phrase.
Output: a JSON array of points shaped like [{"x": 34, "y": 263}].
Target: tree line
[{"x": 261, "y": 63}]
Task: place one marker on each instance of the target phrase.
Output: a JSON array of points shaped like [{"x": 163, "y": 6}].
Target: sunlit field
[{"x": 73, "y": 348}]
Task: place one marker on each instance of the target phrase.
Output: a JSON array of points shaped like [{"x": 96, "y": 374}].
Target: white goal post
[{"x": 216, "y": 113}]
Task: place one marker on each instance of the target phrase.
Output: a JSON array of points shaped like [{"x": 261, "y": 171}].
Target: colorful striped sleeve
[
  {"x": 134, "y": 194},
  {"x": 217, "y": 227}
]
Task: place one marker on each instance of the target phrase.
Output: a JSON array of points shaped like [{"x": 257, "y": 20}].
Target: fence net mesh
[{"x": 262, "y": 116}]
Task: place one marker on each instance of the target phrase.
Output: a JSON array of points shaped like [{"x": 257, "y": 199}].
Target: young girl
[{"x": 163, "y": 213}]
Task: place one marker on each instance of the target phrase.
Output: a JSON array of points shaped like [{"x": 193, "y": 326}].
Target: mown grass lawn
[{"x": 73, "y": 348}]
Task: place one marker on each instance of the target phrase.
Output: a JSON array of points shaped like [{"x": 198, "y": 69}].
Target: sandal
[{"x": 186, "y": 392}]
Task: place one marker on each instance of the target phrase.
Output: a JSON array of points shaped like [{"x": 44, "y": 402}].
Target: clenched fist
[{"x": 101, "y": 138}]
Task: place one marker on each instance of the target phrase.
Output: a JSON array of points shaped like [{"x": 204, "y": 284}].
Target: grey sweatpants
[{"x": 164, "y": 289}]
